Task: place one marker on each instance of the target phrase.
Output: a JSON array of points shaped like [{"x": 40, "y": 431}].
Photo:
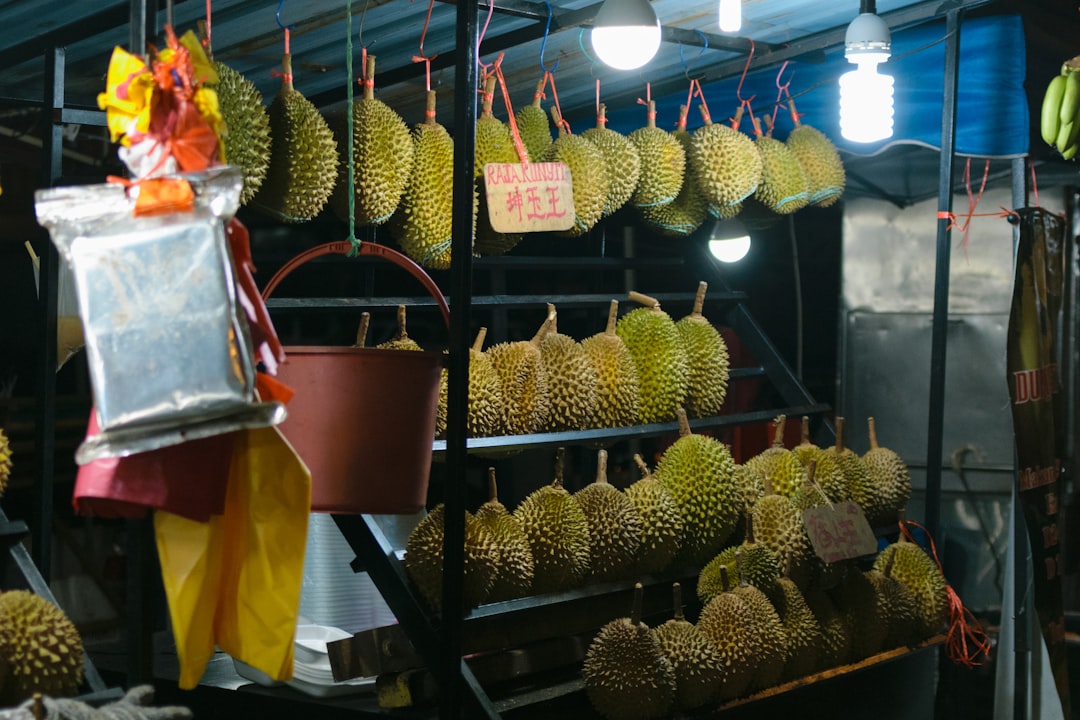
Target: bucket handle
[{"x": 344, "y": 247}]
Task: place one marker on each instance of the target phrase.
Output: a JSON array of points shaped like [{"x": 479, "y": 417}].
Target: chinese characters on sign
[
  {"x": 840, "y": 532},
  {"x": 537, "y": 197}
]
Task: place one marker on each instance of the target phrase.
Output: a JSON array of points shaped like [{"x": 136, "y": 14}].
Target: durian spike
[
  {"x": 361, "y": 330},
  {"x": 489, "y": 94},
  {"x": 429, "y": 108},
  {"x": 739, "y": 567},
  {"x": 612, "y": 318},
  {"x": 643, "y": 299},
  {"x": 402, "y": 334},
  {"x": 478, "y": 343},
  {"x": 635, "y": 610},
  {"x": 839, "y": 434},
  {"x": 684, "y": 422},
  {"x": 493, "y": 487},
  {"x": 650, "y": 119},
  {"x": 286, "y": 72},
  {"x": 725, "y": 581},
  {"x": 778, "y": 431},
  {"x": 601, "y": 466},
  {"x": 676, "y": 599},
  {"x": 369, "y": 78},
  {"x": 642, "y": 467},
  {"x": 806, "y": 430},
  {"x": 873, "y": 433},
  {"x": 699, "y": 299},
  {"x": 560, "y": 454}
]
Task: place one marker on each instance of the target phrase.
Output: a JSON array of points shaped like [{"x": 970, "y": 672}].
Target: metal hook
[
  {"x": 543, "y": 43},
  {"x": 682, "y": 58},
  {"x": 277, "y": 16}
]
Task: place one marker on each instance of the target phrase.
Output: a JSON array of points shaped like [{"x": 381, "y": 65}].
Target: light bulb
[
  {"x": 730, "y": 15},
  {"x": 730, "y": 250},
  {"x": 626, "y": 33},
  {"x": 866, "y": 101}
]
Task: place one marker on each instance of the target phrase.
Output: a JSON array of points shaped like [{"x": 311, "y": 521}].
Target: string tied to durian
[
  {"x": 421, "y": 56},
  {"x": 287, "y": 30},
  {"x": 966, "y": 642},
  {"x": 515, "y": 133}
]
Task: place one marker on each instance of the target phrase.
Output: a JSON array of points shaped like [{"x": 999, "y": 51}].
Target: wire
[
  {"x": 797, "y": 273},
  {"x": 958, "y": 467}
]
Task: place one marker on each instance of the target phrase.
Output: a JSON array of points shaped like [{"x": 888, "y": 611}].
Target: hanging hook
[
  {"x": 682, "y": 58},
  {"x": 277, "y": 17},
  {"x": 543, "y": 43}
]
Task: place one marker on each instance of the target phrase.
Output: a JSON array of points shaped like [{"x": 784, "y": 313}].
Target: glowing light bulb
[
  {"x": 866, "y": 102},
  {"x": 626, "y": 33},
  {"x": 730, "y": 15}
]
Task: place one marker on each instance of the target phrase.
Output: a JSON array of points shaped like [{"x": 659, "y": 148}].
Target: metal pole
[
  {"x": 1019, "y": 545},
  {"x": 465, "y": 82},
  {"x": 939, "y": 332}
]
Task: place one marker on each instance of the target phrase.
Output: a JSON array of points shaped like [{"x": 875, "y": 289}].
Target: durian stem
[
  {"x": 725, "y": 581},
  {"x": 361, "y": 330},
  {"x": 601, "y": 466},
  {"x": 778, "y": 431},
  {"x": 478, "y": 343},
  {"x": 489, "y": 94},
  {"x": 560, "y": 456},
  {"x": 805, "y": 430},
  {"x": 539, "y": 92},
  {"x": 369, "y": 78},
  {"x": 887, "y": 571},
  {"x": 681, "y": 125},
  {"x": 810, "y": 470},
  {"x": 766, "y": 482},
  {"x": 640, "y": 462},
  {"x": 839, "y": 434},
  {"x": 684, "y": 422},
  {"x": 794, "y": 114},
  {"x": 286, "y": 72},
  {"x": 676, "y": 599},
  {"x": 738, "y": 117},
  {"x": 749, "y": 526},
  {"x": 493, "y": 488},
  {"x": 612, "y": 317},
  {"x": 699, "y": 299},
  {"x": 401, "y": 333},
  {"x": 429, "y": 108},
  {"x": 601, "y": 116},
  {"x": 873, "y": 433},
  {"x": 545, "y": 327},
  {"x": 643, "y": 299},
  {"x": 768, "y": 124},
  {"x": 739, "y": 567},
  {"x": 635, "y": 610},
  {"x": 553, "y": 318},
  {"x": 650, "y": 120}
]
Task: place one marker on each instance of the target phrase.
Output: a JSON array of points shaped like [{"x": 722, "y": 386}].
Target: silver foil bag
[{"x": 168, "y": 349}]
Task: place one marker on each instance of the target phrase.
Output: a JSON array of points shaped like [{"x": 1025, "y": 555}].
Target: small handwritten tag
[
  {"x": 840, "y": 532},
  {"x": 537, "y": 197}
]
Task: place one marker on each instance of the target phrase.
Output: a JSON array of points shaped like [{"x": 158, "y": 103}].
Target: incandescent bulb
[
  {"x": 866, "y": 101},
  {"x": 730, "y": 15}
]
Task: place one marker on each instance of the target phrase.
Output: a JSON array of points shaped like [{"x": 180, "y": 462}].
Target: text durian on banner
[{"x": 1033, "y": 360}]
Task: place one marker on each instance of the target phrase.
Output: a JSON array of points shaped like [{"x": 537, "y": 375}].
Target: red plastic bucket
[{"x": 363, "y": 419}]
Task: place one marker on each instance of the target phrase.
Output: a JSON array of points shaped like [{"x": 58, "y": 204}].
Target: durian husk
[
  {"x": 698, "y": 665},
  {"x": 859, "y": 484},
  {"x": 303, "y": 157},
  {"x": 778, "y": 524},
  {"x": 588, "y": 173},
  {"x": 5, "y": 462},
  {"x": 520, "y": 367},
  {"x": 784, "y": 187},
  {"x": 728, "y": 623},
  {"x": 661, "y": 522},
  {"x": 804, "y": 635},
  {"x": 571, "y": 380},
  {"x": 820, "y": 161},
  {"x": 622, "y": 160},
  {"x": 827, "y": 473},
  {"x": 617, "y": 394},
  {"x": 533, "y": 125},
  {"x": 515, "y": 568},
  {"x": 685, "y": 214},
  {"x": 424, "y": 561},
  {"x": 913, "y": 567},
  {"x": 707, "y": 360},
  {"x": 663, "y": 163},
  {"x": 401, "y": 340},
  {"x": 246, "y": 138},
  {"x": 615, "y": 525},
  {"x": 889, "y": 474},
  {"x": 653, "y": 341},
  {"x": 494, "y": 144},
  {"x": 783, "y": 468},
  {"x": 726, "y": 164},
  {"x": 40, "y": 649},
  {"x": 486, "y": 404}
]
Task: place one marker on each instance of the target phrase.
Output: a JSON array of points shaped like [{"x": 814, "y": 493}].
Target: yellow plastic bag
[{"x": 235, "y": 581}]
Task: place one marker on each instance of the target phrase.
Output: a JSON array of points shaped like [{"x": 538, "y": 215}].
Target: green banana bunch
[{"x": 1060, "y": 117}]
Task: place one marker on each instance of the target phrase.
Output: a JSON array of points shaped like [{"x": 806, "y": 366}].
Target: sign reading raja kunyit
[
  {"x": 537, "y": 197},
  {"x": 1038, "y": 408}
]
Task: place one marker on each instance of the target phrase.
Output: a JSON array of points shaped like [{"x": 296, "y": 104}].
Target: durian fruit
[
  {"x": 751, "y": 485},
  {"x": 247, "y": 128},
  {"x": 626, "y": 674},
  {"x": 856, "y": 598},
  {"x": 897, "y": 605},
  {"x": 778, "y": 524},
  {"x": 835, "y": 629},
  {"x": 5, "y": 462},
  {"x": 663, "y": 375},
  {"x": 921, "y": 576},
  {"x": 622, "y": 159},
  {"x": 533, "y": 125},
  {"x": 571, "y": 380},
  {"x": 698, "y": 472},
  {"x": 514, "y": 567},
  {"x": 819, "y": 160},
  {"x": 663, "y": 163},
  {"x": 783, "y": 187},
  {"x": 706, "y": 358},
  {"x": 524, "y": 381},
  {"x": 727, "y": 622},
  {"x": 773, "y": 652},
  {"x": 857, "y": 481},
  {"x": 889, "y": 474},
  {"x": 811, "y": 495},
  {"x": 661, "y": 523},
  {"x": 803, "y": 632},
  {"x": 725, "y": 212},
  {"x": 303, "y": 156},
  {"x": 558, "y": 534},
  {"x": 424, "y": 559},
  {"x": 698, "y": 665},
  {"x": 40, "y": 649},
  {"x": 401, "y": 340},
  {"x": 828, "y": 473},
  {"x": 423, "y": 223},
  {"x": 494, "y": 144},
  {"x": 685, "y": 214},
  {"x": 588, "y": 173},
  {"x": 727, "y": 165},
  {"x": 750, "y": 561},
  {"x": 615, "y": 525},
  {"x": 617, "y": 399},
  {"x": 382, "y": 157},
  {"x": 486, "y": 404},
  {"x": 780, "y": 465}
]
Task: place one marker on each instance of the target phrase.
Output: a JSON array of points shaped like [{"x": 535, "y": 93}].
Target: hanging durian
[
  {"x": 889, "y": 474},
  {"x": 486, "y": 404},
  {"x": 615, "y": 525},
  {"x": 819, "y": 160},
  {"x": 663, "y": 163},
  {"x": 727, "y": 622},
  {"x": 571, "y": 380},
  {"x": 780, "y": 465},
  {"x": 494, "y": 144},
  {"x": 661, "y": 523},
  {"x": 654, "y": 343},
  {"x": 626, "y": 673},
  {"x": 520, "y": 367},
  {"x": 5, "y": 462},
  {"x": 706, "y": 358},
  {"x": 303, "y": 156},
  {"x": 423, "y": 223},
  {"x": 783, "y": 187},
  {"x": 533, "y": 125},
  {"x": 726, "y": 164},
  {"x": 827, "y": 473},
  {"x": 514, "y": 568},
  {"x": 698, "y": 665},
  {"x": 40, "y": 649},
  {"x": 616, "y": 375},
  {"x": 698, "y": 472},
  {"x": 622, "y": 160},
  {"x": 588, "y": 173},
  {"x": 382, "y": 157},
  {"x": 685, "y": 214},
  {"x": 558, "y": 534},
  {"x": 424, "y": 559},
  {"x": 247, "y": 128}
]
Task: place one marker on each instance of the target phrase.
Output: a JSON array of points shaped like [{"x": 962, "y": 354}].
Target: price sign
[
  {"x": 840, "y": 532},
  {"x": 537, "y": 197}
]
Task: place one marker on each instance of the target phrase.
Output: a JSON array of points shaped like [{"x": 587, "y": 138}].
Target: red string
[
  {"x": 705, "y": 114},
  {"x": 287, "y": 41},
  {"x": 422, "y": 57},
  {"x": 965, "y": 641},
  {"x": 1034, "y": 185},
  {"x": 364, "y": 81},
  {"x": 599, "y": 121},
  {"x": 515, "y": 134},
  {"x": 485, "y": 69},
  {"x": 206, "y": 40},
  {"x": 555, "y": 96},
  {"x": 973, "y": 203},
  {"x": 780, "y": 91}
]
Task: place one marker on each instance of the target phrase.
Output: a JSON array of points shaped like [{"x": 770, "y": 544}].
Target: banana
[
  {"x": 1061, "y": 142},
  {"x": 1070, "y": 98},
  {"x": 1070, "y": 152},
  {"x": 1051, "y": 109}
]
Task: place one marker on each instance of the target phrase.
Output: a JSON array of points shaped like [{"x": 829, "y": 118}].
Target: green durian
[
  {"x": 662, "y": 372},
  {"x": 663, "y": 163}
]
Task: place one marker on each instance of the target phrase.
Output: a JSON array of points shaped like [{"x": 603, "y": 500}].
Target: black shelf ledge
[
  {"x": 509, "y": 302},
  {"x": 608, "y": 436},
  {"x": 540, "y": 262}
]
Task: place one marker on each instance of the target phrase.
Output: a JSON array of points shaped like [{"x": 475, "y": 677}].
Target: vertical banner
[{"x": 1038, "y": 409}]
